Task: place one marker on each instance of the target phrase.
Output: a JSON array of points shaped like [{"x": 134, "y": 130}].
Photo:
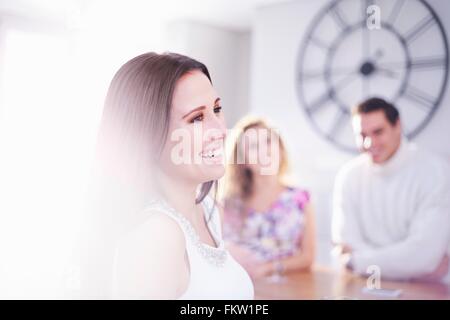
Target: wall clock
[{"x": 342, "y": 61}]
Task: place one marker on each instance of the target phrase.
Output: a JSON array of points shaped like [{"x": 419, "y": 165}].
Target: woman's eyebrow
[
  {"x": 199, "y": 108},
  {"x": 193, "y": 110}
]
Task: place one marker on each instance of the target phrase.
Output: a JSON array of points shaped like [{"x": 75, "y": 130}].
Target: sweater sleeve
[
  {"x": 428, "y": 238},
  {"x": 346, "y": 229}
]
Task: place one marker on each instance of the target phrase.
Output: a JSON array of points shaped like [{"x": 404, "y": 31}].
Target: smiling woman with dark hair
[{"x": 174, "y": 248}]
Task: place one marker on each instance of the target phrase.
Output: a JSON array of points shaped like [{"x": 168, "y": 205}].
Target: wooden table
[{"x": 326, "y": 283}]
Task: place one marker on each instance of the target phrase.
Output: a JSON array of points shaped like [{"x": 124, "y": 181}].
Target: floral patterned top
[{"x": 271, "y": 234}]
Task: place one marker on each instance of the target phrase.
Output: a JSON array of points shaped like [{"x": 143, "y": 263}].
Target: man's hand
[
  {"x": 346, "y": 249},
  {"x": 345, "y": 254}
]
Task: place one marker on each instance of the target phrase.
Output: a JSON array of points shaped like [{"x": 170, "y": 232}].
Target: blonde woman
[{"x": 269, "y": 224}]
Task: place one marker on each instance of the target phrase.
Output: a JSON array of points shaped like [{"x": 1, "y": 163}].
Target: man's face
[{"x": 376, "y": 135}]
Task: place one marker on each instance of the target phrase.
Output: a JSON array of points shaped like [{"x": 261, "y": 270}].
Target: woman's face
[
  {"x": 194, "y": 148},
  {"x": 261, "y": 149}
]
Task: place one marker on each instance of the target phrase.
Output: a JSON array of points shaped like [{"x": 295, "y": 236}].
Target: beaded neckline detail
[{"x": 213, "y": 255}]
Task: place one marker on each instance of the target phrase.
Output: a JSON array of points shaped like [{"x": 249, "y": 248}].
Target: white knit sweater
[{"x": 395, "y": 215}]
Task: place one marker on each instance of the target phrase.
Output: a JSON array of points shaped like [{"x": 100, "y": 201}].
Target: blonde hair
[{"x": 237, "y": 182}]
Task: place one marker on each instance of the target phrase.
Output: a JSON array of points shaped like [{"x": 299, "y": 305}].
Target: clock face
[{"x": 343, "y": 60}]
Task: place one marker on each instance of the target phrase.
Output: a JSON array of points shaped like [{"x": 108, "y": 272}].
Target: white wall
[
  {"x": 53, "y": 81},
  {"x": 226, "y": 54},
  {"x": 276, "y": 37}
]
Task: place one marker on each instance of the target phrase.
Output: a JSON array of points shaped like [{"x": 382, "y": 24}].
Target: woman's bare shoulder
[
  {"x": 149, "y": 261},
  {"x": 157, "y": 229}
]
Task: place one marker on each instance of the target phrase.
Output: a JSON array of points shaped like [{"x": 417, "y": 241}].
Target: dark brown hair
[
  {"x": 133, "y": 131},
  {"x": 375, "y": 104},
  {"x": 135, "y": 120}
]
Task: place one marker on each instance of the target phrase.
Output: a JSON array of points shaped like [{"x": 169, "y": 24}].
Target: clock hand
[
  {"x": 365, "y": 41},
  {"x": 317, "y": 74},
  {"x": 395, "y": 64},
  {"x": 386, "y": 72},
  {"x": 366, "y": 86},
  {"x": 345, "y": 81}
]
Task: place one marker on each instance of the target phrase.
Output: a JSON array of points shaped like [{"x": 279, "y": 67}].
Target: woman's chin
[{"x": 213, "y": 171}]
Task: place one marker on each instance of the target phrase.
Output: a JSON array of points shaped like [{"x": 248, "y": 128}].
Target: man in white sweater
[{"x": 391, "y": 204}]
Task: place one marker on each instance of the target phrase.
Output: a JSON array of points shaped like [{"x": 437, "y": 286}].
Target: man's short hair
[{"x": 375, "y": 104}]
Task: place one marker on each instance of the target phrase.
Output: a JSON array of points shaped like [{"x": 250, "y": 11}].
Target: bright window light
[{"x": 43, "y": 166}]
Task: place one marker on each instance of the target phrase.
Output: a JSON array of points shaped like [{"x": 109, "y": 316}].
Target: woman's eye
[
  {"x": 200, "y": 116},
  {"x": 197, "y": 118}
]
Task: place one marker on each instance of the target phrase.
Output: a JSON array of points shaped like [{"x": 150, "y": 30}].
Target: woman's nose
[
  {"x": 213, "y": 134},
  {"x": 216, "y": 128}
]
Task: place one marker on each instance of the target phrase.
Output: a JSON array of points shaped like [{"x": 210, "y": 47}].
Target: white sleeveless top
[{"x": 214, "y": 273}]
